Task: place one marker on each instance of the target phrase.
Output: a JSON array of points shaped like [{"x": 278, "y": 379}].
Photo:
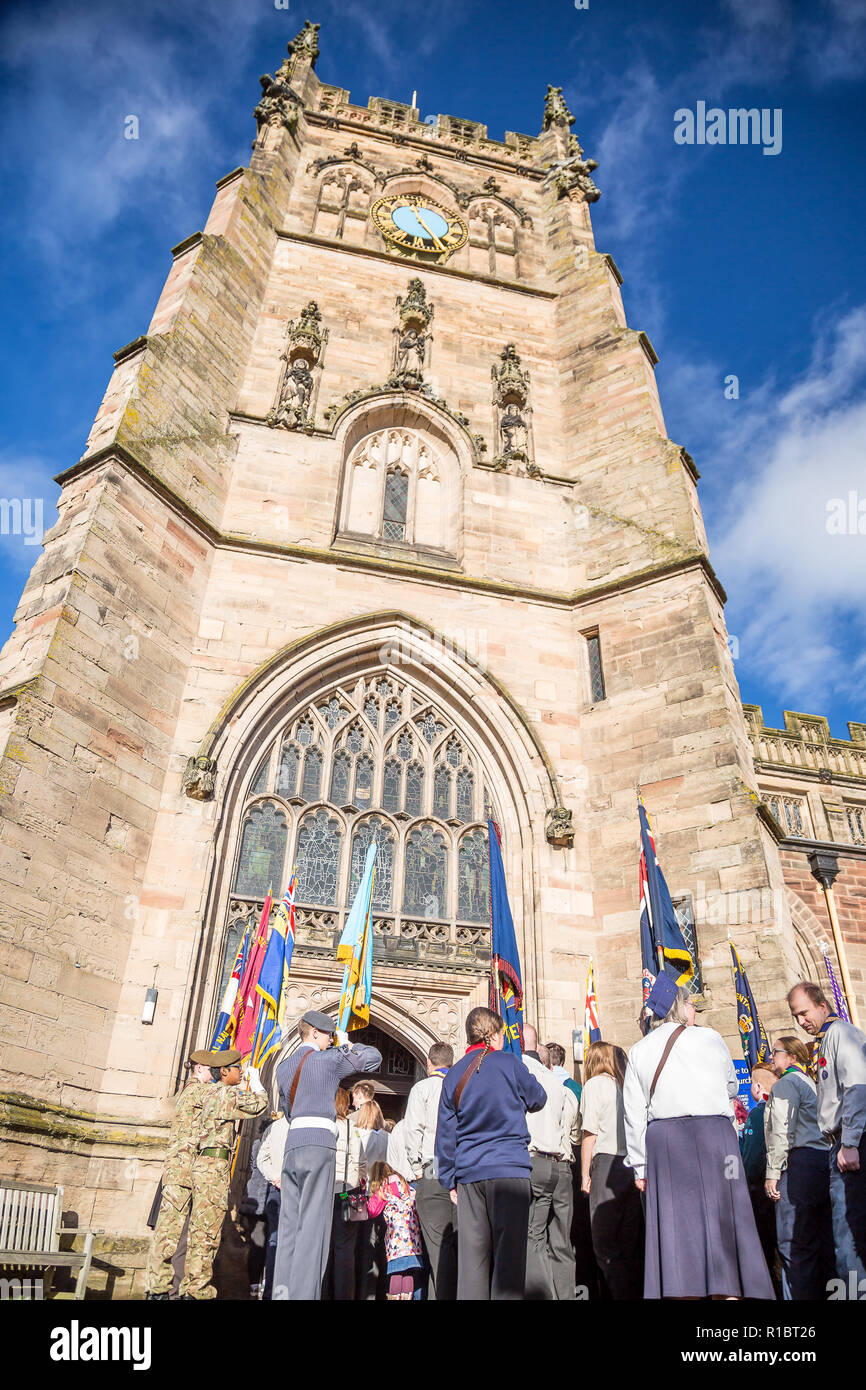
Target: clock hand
[{"x": 434, "y": 238}]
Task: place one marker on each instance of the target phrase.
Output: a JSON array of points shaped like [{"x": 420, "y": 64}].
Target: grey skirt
[{"x": 701, "y": 1238}]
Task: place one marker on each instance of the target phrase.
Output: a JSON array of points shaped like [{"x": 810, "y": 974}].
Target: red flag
[{"x": 244, "y": 1012}]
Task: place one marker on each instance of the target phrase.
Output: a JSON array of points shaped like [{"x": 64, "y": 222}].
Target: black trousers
[
  {"x": 341, "y": 1276},
  {"x": 616, "y": 1218},
  {"x": 438, "y": 1217},
  {"x": 804, "y": 1225},
  {"x": 542, "y": 1189},
  {"x": 492, "y": 1229}
]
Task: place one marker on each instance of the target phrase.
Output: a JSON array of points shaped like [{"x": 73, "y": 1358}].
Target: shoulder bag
[
  {"x": 664, "y": 1057},
  {"x": 354, "y": 1199}
]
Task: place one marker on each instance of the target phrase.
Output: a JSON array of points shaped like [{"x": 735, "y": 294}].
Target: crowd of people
[{"x": 507, "y": 1179}]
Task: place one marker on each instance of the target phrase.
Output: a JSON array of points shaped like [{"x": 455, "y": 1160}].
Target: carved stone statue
[
  {"x": 305, "y": 340},
  {"x": 515, "y": 435},
  {"x": 297, "y": 391},
  {"x": 511, "y": 402},
  {"x": 559, "y": 827},
  {"x": 199, "y": 777},
  {"x": 410, "y": 352},
  {"x": 279, "y": 105}
]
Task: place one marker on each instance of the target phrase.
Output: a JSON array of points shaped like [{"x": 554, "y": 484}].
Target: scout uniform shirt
[{"x": 841, "y": 1066}]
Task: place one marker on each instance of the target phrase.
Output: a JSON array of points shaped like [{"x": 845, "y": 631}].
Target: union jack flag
[{"x": 591, "y": 1029}]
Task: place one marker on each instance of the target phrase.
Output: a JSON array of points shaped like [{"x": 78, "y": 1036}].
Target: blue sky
[{"x": 735, "y": 262}]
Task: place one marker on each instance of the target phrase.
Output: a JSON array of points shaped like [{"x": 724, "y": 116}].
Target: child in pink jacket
[{"x": 390, "y": 1193}]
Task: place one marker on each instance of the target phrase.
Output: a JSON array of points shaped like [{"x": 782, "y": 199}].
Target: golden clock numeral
[{"x": 418, "y": 241}]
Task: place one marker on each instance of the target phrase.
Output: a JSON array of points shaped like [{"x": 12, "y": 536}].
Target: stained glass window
[
  {"x": 340, "y": 779},
  {"x": 384, "y": 688},
  {"x": 312, "y": 775},
  {"x": 305, "y": 732},
  {"x": 363, "y": 782},
  {"x": 261, "y": 782},
  {"x": 425, "y": 887},
  {"x": 287, "y": 772},
  {"x": 318, "y": 858},
  {"x": 384, "y": 862},
  {"x": 396, "y": 499},
  {"x": 452, "y": 753},
  {"x": 442, "y": 793},
  {"x": 465, "y": 795},
  {"x": 431, "y": 728},
  {"x": 473, "y": 878},
  {"x": 355, "y": 739},
  {"x": 404, "y": 747},
  {"x": 333, "y": 712},
  {"x": 391, "y": 786},
  {"x": 263, "y": 848},
  {"x": 414, "y": 789},
  {"x": 371, "y": 711},
  {"x": 392, "y": 715}
]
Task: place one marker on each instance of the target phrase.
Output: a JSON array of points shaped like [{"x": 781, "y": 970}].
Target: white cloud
[{"x": 774, "y": 463}]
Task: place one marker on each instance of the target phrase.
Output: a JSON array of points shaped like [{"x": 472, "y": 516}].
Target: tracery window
[{"x": 372, "y": 757}]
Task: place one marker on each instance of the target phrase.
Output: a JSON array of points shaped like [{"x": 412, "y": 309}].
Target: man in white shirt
[
  {"x": 549, "y": 1254},
  {"x": 437, "y": 1214}
]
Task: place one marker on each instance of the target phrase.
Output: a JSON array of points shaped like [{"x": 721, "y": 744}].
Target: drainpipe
[{"x": 825, "y": 867}]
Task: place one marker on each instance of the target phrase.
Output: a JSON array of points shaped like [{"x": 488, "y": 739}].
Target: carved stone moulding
[
  {"x": 199, "y": 778},
  {"x": 559, "y": 827}
]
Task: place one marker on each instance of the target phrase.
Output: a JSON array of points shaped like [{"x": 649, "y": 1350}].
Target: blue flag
[
  {"x": 274, "y": 978},
  {"x": 756, "y": 1044},
  {"x": 660, "y": 932},
  {"x": 505, "y": 979},
  {"x": 356, "y": 950}
]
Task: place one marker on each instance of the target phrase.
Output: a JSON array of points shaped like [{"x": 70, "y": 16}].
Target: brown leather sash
[
  {"x": 665, "y": 1055},
  {"x": 293, "y": 1090},
  {"x": 467, "y": 1075}
]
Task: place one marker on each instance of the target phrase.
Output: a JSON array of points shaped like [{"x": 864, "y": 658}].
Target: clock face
[{"x": 412, "y": 223}]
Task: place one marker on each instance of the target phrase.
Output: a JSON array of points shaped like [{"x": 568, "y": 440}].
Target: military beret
[
  {"x": 320, "y": 1021},
  {"x": 227, "y": 1058}
]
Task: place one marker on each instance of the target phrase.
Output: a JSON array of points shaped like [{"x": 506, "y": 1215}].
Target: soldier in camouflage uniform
[
  {"x": 211, "y": 1171},
  {"x": 177, "y": 1176}
]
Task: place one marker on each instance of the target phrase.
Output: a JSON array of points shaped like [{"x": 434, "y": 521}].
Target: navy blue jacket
[
  {"x": 753, "y": 1145},
  {"x": 488, "y": 1138}
]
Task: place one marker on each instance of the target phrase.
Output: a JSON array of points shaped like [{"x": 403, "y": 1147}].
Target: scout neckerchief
[
  {"x": 439, "y": 1071},
  {"x": 795, "y": 1066},
  {"x": 818, "y": 1058}
]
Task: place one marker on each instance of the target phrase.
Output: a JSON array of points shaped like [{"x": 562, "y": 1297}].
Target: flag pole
[{"x": 494, "y": 973}]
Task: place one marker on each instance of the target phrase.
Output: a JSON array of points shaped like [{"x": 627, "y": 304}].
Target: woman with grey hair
[{"x": 701, "y": 1239}]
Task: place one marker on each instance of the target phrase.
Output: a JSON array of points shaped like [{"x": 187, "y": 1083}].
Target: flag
[
  {"x": 221, "y": 1035},
  {"x": 356, "y": 949},
  {"x": 243, "y": 1020},
  {"x": 659, "y": 928},
  {"x": 756, "y": 1044},
  {"x": 838, "y": 996},
  {"x": 506, "y": 988},
  {"x": 591, "y": 1030},
  {"x": 274, "y": 978}
]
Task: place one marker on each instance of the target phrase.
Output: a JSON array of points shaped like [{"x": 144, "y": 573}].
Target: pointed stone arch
[{"x": 515, "y": 765}]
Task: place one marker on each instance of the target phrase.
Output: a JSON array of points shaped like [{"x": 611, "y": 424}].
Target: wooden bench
[{"x": 30, "y": 1232}]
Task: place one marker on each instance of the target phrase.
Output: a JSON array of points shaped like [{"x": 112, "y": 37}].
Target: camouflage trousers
[{"x": 209, "y": 1198}]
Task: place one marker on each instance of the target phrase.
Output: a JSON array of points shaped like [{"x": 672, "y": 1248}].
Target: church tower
[{"x": 378, "y": 531}]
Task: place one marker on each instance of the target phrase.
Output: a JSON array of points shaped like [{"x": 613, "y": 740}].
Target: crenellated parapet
[{"x": 806, "y": 744}]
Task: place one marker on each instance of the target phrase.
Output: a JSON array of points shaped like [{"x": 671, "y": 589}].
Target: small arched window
[{"x": 396, "y": 503}]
